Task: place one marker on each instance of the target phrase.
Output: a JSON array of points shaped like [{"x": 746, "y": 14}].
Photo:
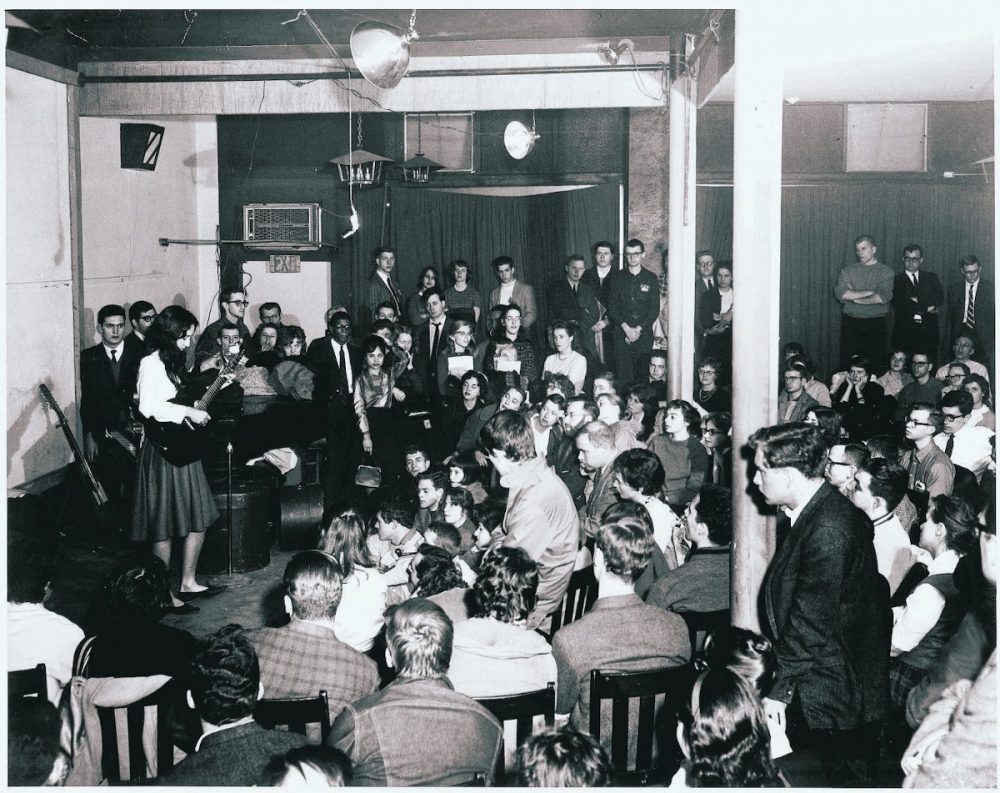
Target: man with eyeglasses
[
  {"x": 794, "y": 403},
  {"x": 234, "y": 305},
  {"x": 634, "y": 304},
  {"x": 972, "y": 308},
  {"x": 967, "y": 446},
  {"x": 924, "y": 388},
  {"x": 917, "y": 297},
  {"x": 864, "y": 290},
  {"x": 928, "y": 468},
  {"x": 140, "y": 316},
  {"x": 843, "y": 462},
  {"x": 963, "y": 348}
]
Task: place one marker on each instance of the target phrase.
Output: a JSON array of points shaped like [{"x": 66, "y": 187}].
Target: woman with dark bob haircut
[
  {"x": 494, "y": 653},
  {"x": 724, "y": 736},
  {"x": 374, "y": 394}
]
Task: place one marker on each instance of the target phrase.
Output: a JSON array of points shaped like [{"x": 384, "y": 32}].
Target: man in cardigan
[
  {"x": 825, "y": 608},
  {"x": 510, "y": 290}
]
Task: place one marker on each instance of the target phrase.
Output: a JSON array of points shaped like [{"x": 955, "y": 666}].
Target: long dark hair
[{"x": 170, "y": 325}]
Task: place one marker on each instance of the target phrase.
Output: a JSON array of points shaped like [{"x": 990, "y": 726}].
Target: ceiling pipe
[{"x": 290, "y": 76}]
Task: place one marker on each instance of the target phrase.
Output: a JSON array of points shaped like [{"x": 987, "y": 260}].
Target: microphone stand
[{"x": 229, "y": 506}]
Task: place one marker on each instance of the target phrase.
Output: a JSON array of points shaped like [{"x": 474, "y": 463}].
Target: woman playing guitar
[{"x": 171, "y": 501}]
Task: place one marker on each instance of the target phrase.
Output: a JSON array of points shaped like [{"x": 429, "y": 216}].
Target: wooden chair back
[
  {"x": 522, "y": 709},
  {"x": 297, "y": 713},
  {"x": 163, "y": 700},
  {"x": 578, "y": 600},
  {"x": 25, "y": 682}
]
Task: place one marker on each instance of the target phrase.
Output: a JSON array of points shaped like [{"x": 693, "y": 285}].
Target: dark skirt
[
  {"x": 383, "y": 423},
  {"x": 170, "y": 500}
]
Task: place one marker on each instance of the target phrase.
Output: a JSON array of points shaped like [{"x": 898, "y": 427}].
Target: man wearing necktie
[
  {"x": 432, "y": 338},
  {"x": 381, "y": 286},
  {"x": 917, "y": 297},
  {"x": 107, "y": 384},
  {"x": 971, "y": 308},
  {"x": 337, "y": 363},
  {"x": 706, "y": 274}
]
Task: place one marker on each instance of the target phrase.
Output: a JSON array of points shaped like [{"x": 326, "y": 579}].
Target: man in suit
[
  {"x": 224, "y": 688},
  {"x": 108, "y": 372},
  {"x": 430, "y": 339},
  {"x": 337, "y": 363},
  {"x": 794, "y": 403},
  {"x": 972, "y": 310},
  {"x": 620, "y": 632},
  {"x": 917, "y": 297},
  {"x": 234, "y": 305},
  {"x": 510, "y": 290},
  {"x": 305, "y": 656},
  {"x": 825, "y": 608},
  {"x": 418, "y": 730},
  {"x": 381, "y": 287},
  {"x": 598, "y": 278},
  {"x": 634, "y": 304},
  {"x": 140, "y": 316},
  {"x": 705, "y": 283},
  {"x": 572, "y": 299},
  {"x": 596, "y": 450}
]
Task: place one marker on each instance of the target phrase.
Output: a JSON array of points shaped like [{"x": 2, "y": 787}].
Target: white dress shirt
[
  {"x": 347, "y": 363},
  {"x": 972, "y": 448}
]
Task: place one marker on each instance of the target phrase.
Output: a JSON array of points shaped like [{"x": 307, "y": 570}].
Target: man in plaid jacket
[{"x": 305, "y": 656}]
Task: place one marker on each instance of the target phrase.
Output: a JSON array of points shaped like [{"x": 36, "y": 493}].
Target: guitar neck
[
  {"x": 100, "y": 497},
  {"x": 213, "y": 390}
]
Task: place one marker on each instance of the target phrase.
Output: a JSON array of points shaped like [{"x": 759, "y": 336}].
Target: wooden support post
[{"x": 756, "y": 258}]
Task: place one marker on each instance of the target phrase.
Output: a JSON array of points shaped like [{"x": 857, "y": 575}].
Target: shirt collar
[
  {"x": 222, "y": 728},
  {"x": 118, "y": 349},
  {"x": 793, "y": 514}
]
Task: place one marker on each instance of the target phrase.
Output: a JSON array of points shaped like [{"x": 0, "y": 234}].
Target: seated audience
[
  {"x": 701, "y": 584},
  {"x": 396, "y": 538},
  {"x": 418, "y": 730},
  {"x": 718, "y": 442},
  {"x": 33, "y": 728},
  {"x": 963, "y": 348},
  {"x": 511, "y": 359},
  {"x": 879, "y": 487},
  {"x": 465, "y": 472},
  {"x": 546, "y": 425},
  {"x": 642, "y": 406},
  {"x": 434, "y": 575},
  {"x": 224, "y": 689},
  {"x": 637, "y": 476},
  {"x": 596, "y": 453},
  {"x": 455, "y": 412},
  {"x": 604, "y": 383},
  {"x": 445, "y": 536},
  {"x": 957, "y": 372},
  {"x": 793, "y": 401},
  {"x": 813, "y": 386},
  {"x": 710, "y": 396},
  {"x": 842, "y": 463},
  {"x": 611, "y": 410},
  {"x": 620, "y": 632},
  {"x": 460, "y": 355},
  {"x": 561, "y": 757},
  {"x": 923, "y": 390},
  {"x": 358, "y": 619},
  {"x": 896, "y": 377},
  {"x": 930, "y": 470},
  {"x": 858, "y": 399},
  {"x": 968, "y": 446},
  {"x": 305, "y": 656},
  {"x": 956, "y": 744},
  {"x": 308, "y": 766},
  {"x": 540, "y": 516},
  {"x": 725, "y": 736},
  {"x": 684, "y": 459},
  {"x": 982, "y": 414},
  {"x": 565, "y": 360},
  {"x": 934, "y": 609},
  {"x": 514, "y": 398},
  {"x": 495, "y": 654},
  {"x": 559, "y": 384},
  {"x": 36, "y": 635},
  {"x": 829, "y": 422}
]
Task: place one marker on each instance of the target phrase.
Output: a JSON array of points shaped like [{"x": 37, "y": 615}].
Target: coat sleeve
[
  {"x": 530, "y": 307},
  {"x": 812, "y": 588}
]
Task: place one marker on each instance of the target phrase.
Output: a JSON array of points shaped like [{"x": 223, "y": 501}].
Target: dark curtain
[
  {"x": 818, "y": 228},
  {"x": 428, "y": 227}
]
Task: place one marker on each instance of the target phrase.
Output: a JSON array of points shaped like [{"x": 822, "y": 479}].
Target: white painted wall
[
  {"x": 126, "y": 212},
  {"x": 304, "y": 296},
  {"x": 39, "y": 299}
]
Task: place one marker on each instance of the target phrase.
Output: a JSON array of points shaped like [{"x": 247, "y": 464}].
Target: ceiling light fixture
[
  {"x": 360, "y": 168},
  {"x": 382, "y": 52},
  {"x": 611, "y": 52},
  {"x": 519, "y": 140},
  {"x": 418, "y": 169}
]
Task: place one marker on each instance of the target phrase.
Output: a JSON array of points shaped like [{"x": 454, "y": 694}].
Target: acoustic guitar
[
  {"x": 97, "y": 495},
  {"x": 185, "y": 443}
]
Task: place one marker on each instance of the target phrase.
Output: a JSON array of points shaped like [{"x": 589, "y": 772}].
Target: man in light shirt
[
  {"x": 880, "y": 485},
  {"x": 968, "y": 446}
]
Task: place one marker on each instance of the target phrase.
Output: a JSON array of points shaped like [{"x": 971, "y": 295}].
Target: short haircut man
[
  {"x": 970, "y": 447},
  {"x": 306, "y": 656},
  {"x": 561, "y": 757},
  {"x": 540, "y": 517},
  {"x": 458, "y": 737},
  {"x": 270, "y": 312},
  {"x": 930, "y": 470},
  {"x": 864, "y": 289},
  {"x": 880, "y": 487},
  {"x": 137, "y": 309},
  {"x": 597, "y": 451},
  {"x": 224, "y": 687},
  {"x": 620, "y": 632},
  {"x": 825, "y": 607}
]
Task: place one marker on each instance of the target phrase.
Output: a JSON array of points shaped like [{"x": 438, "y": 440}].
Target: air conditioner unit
[{"x": 282, "y": 227}]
